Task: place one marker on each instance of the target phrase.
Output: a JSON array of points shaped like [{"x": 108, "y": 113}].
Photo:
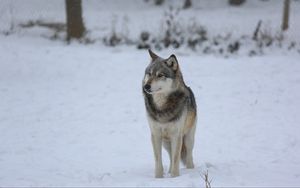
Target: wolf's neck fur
[
  {"x": 165, "y": 108},
  {"x": 160, "y": 99}
]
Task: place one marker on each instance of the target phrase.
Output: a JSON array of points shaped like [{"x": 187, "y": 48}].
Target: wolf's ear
[
  {"x": 172, "y": 62},
  {"x": 152, "y": 55}
]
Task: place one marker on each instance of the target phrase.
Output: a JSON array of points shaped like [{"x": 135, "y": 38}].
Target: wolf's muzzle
[{"x": 147, "y": 88}]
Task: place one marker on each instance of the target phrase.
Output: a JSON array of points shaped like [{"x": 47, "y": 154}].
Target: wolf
[{"x": 171, "y": 111}]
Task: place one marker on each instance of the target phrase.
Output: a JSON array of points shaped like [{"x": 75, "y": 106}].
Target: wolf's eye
[{"x": 160, "y": 75}]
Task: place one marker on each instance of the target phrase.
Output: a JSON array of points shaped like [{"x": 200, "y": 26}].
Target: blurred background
[{"x": 208, "y": 27}]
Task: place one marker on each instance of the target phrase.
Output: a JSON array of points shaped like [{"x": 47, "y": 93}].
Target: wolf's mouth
[{"x": 151, "y": 91}]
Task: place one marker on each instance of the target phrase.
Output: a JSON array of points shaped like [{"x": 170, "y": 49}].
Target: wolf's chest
[
  {"x": 166, "y": 109},
  {"x": 169, "y": 129}
]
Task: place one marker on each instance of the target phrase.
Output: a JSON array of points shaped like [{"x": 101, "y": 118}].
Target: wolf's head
[{"x": 162, "y": 75}]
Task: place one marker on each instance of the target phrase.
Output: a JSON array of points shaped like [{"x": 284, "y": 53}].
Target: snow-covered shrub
[
  {"x": 176, "y": 32},
  {"x": 267, "y": 38},
  {"x": 144, "y": 40},
  {"x": 119, "y": 32},
  {"x": 11, "y": 27},
  {"x": 173, "y": 29},
  {"x": 56, "y": 30},
  {"x": 196, "y": 34},
  {"x": 112, "y": 39}
]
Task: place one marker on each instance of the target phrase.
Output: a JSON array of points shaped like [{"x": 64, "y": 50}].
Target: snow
[{"x": 74, "y": 115}]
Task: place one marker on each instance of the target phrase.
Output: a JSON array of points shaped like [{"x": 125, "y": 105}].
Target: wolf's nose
[{"x": 147, "y": 87}]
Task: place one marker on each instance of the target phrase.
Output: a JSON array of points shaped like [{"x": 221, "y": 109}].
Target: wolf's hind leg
[{"x": 188, "y": 141}]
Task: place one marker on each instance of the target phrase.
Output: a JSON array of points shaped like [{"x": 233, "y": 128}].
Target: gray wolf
[{"x": 171, "y": 111}]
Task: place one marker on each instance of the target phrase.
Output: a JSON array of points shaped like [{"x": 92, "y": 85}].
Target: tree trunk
[
  {"x": 187, "y": 4},
  {"x": 285, "y": 17},
  {"x": 158, "y": 2},
  {"x": 236, "y": 2},
  {"x": 75, "y": 26}
]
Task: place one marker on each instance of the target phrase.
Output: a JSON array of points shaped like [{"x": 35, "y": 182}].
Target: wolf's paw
[
  {"x": 159, "y": 175},
  {"x": 190, "y": 165},
  {"x": 174, "y": 174}
]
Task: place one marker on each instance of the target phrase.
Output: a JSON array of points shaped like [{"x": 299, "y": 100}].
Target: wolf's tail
[{"x": 183, "y": 153}]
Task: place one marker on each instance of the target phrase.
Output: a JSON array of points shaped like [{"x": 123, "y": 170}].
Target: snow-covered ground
[{"x": 73, "y": 115}]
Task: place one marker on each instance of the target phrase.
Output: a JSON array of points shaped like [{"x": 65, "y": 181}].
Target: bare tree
[
  {"x": 255, "y": 34},
  {"x": 75, "y": 26},
  {"x": 285, "y": 17}
]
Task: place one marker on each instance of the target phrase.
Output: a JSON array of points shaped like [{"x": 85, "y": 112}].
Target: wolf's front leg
[
  {"x": 157, "y": 145},
  {"x": 176, "y": 144}
]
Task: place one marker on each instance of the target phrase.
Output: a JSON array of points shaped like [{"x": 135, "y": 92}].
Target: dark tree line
[{"x": 76, "y": 28}]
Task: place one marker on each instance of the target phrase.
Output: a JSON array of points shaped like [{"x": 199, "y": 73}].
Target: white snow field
[{"x": 73, "y": 115}]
